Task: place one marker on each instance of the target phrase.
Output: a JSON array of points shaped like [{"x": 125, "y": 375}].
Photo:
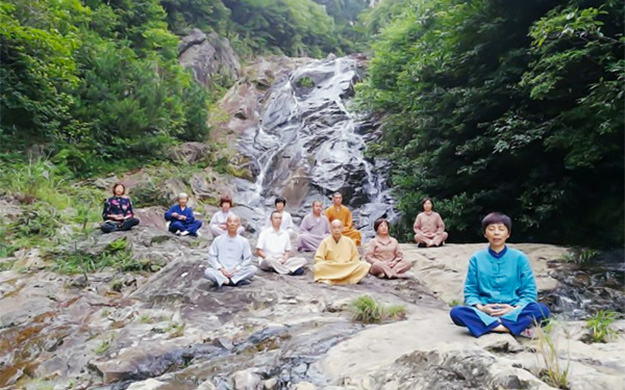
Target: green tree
[{"x": 512, "y": 107}]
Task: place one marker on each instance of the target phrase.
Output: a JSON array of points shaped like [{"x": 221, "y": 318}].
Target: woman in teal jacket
[{"x": 500, "y": 289}]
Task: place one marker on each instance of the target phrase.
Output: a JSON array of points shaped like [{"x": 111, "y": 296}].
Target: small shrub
[
  {"x": 116, "y": 255},
  {"x": 554, "y": 374},
  {"x": 150, "y": 194},
  {"x": 599, "y": 326},
  {"x": 455, "y": 302},
  {"x": 116, "y": 285},
  {"x": 104, "y": 345},
  {"x": 396, "y": 312},
  {"x": 581, "y": 255},
  {"x": 305, "y": 82},
  {"x": 119, "y": 244},
  {"x": 38, "y": 220},
  {"x": 175, "y": 329},
  {"x": 6, "y": 265},
  {"x": 146, "y": 319}
]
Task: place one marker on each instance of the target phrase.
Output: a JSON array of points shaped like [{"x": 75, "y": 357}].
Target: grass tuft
[
  {"x": 555, "y": 373},
  {"x": 599, "y": 326},
  {"x": 366, "y": 310}
]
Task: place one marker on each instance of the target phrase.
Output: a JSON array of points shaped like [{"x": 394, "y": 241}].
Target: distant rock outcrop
[{"x": 209, "y": 57}]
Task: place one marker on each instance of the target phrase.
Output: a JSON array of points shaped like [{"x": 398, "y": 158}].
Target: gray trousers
[
  {"x": 273, "y": 264},
  {"x": 215, "y": 275}
]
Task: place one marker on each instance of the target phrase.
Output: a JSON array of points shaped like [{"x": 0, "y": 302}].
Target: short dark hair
[
  {"x": 496, "y": 218},
  {"x": 119, "y": 184},
  {"x": 280, "y": 200},
  {"x": 274, "y": 212},
  {"x": 225, "y": 199},
  {"x": 425, "y": 200},
  {"x": 379, "y": 222}
]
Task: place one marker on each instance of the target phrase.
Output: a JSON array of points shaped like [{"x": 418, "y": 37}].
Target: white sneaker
[
  {"x": 184, "y": 233},
  {"x": 177, "y": 233}
]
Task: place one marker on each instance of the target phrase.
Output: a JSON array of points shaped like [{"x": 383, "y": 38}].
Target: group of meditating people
[{"x": 499, "y": 291}]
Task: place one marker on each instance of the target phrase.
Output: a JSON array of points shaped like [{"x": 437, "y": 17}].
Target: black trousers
[{"x": 112, "y": 226}]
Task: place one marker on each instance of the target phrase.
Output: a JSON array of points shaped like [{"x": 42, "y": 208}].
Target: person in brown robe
[
  {"x": 429, "y": 227},
  {"x": 384, "y": 254},
  {"x": 342, "y": 213}
]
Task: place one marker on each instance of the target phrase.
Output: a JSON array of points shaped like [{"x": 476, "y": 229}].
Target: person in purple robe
[{"x": 315, "y": 227}]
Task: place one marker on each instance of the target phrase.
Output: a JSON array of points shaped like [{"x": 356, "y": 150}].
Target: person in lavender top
[{"x": 314, "y": 228}]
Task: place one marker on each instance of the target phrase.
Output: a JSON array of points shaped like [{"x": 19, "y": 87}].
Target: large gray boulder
[{"x": 209, "y": 57}]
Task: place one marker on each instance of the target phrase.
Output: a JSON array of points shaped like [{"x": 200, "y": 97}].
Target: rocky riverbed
[{"x": 166, "y": 328}]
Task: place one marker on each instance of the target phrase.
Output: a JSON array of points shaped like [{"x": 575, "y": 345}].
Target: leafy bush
[{"x": 37, "y": 220}]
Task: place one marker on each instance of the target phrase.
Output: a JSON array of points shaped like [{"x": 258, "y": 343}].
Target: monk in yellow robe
[
  {"x": 337, "y": 260},
  {"x": 342, "y": 213}
]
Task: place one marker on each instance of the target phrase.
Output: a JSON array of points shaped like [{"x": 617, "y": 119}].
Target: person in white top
[
  {"x": 218, "y": 222},
  {"x": 274, "y": 250},
  {"x": 287, "y": 222}
]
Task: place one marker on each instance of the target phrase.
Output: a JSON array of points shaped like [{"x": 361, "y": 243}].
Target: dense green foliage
[
  {"x": 509, "y": 106},
  {"x": 94, "y": 82},
  {"x": 293, "y": 27}
]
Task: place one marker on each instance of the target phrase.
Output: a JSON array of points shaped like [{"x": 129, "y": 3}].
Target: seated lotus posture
[
  {"x": 384, "y": 254},
  {"x": 500, "y": 290},
  {"x": 429, "y": 226},
  {"x": 117, "y": 213},
  {"x": 287, "y": 221},
  {"x": 342, "y": 213},
  {"x": 337, "y": 260},
  {"x": 230, "y": 257},
  {"x": 180, "y": 216},
  {"x": 218, "y": 221},
  {"x": 314, "y": 228},
  {"x": 274, "y": 249}
]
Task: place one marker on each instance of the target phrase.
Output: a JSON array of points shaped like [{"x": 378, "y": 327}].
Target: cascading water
[{"x": 308, "y": 145}]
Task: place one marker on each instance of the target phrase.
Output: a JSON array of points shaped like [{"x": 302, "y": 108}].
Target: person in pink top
[
  {"x": 429, "y": 227},
  {"x": 384, "y": 254}
]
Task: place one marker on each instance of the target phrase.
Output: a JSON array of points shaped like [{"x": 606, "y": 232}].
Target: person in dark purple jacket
[{"x": 118, "y": 213}]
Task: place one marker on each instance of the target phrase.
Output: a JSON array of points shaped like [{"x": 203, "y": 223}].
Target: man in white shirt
[
  {"x": 274, "y": 249},
  {"x": 230, "y": 257},
  {"x": 287, "y": 222}
]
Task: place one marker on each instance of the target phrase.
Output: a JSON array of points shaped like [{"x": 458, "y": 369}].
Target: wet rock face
[
  {"x": 208, "y": 56},
  {"x": 308, "y": 144}
]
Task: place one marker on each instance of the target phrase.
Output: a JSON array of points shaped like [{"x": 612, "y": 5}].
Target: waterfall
[{"x": 308, "y": 144}]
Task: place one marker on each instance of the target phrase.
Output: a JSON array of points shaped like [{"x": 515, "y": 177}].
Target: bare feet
[{"x": 501, "y": 329}]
